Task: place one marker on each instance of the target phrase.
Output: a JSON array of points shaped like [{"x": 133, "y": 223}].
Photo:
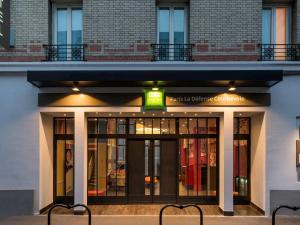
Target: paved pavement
[{"x": 146, "y": 220}]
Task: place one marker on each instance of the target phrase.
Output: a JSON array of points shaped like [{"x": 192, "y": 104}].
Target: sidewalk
[{"x": 146, "y": 220}]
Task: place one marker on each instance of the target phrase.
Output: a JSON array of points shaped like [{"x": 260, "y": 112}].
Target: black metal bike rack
[
  {"x": 180, "y": 207},
  {"x": 282, "y": 207},
  {"x": 70, "y": 207}
]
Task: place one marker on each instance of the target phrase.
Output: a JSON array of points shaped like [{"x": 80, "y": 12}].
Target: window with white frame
[
  {"x": 67, "y": 27},
  {"x": 172, "y": 30},
  {"x": 276, "y": 30}
]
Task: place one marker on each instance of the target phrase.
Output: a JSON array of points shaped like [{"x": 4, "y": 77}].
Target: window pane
[
  {"x": 183, "y": 162},
  {"x": 148, "y": 126},
  {"x": 192, "y": 126},
  {"x": 179, "y": 26},
  {"x": 140, "y": 126},
  {"x": 69, "y": 167},
  {"x": 183, "y": 129},
  {"x": 266, "y": 26},
  {"x": 111, "y": 126},
  {"x": 203, "y": 166},
  {"x": 70, "y": 126},
  {"x": 102, "y": 126},
  {"x": 164, "y": 25},
  {"x": 60, "y": 168},
  {"x": 132, "y": 126},
  {"x": 92, "y": 167},
  {"x": 147, "y": 172},
  {"x": 156, "y": 126},
  {"x": 280, "y": 26},
  {"x": 164, "y": 126},
  {"x": 76, "y": 26},
  {"x": 102, "y": 165},
  {"x": 59, "y": 126},
  {"x": 121, "y": 126},
  {"x": 236, "y": 126},
  {"x": 172, "y": 124},
  {"x": 202, "y": 126},
  {"x": 62, "y": 26},
  {"x": 212, "y": 167},
  {"x": 121, "y": 167},
  {"x": 244, "y": 125},
  {"x": 111, "y": 168},
  {"x": 212, "y": 125},
  {"x": 156, "y": 167}
]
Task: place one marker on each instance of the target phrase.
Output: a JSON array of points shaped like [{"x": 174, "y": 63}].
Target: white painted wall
[
  {"x": 258, "y": 160},
  {"x": 19, "y": 152},
  {"x": 46, "y": 162},
  {"x": 281, "y": 135}
]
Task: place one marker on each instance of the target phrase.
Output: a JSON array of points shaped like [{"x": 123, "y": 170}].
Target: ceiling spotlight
[
  {"x": 172, "y": 114},
  {"x": 155, "y": 87},
  {"x": 110, "y": 114},
  {"x": 232, "y": 87},
  {"x": 75, "y": 86},
  {"x": 120, "y": 113},
  {"x": 133, "y": 114},
  {"x": 65, "y": 115}
]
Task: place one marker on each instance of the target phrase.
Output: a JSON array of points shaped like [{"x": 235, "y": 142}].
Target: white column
[
  {"x": 226, "y": 162},
  {"x": 80, "y": 182}
]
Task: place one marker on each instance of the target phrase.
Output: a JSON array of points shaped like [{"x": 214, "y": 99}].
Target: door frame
[
  {"x": 153, "y": 199},
  {"x": 65, "y": 138}
]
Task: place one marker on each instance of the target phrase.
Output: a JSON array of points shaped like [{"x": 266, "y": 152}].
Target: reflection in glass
[
  {"x": 59, "y": 126},
  {"x": 156, "y": 126},
  {"x": 202, "y": 126},
  {"x": 148, "y": 126},
  {"x": 60, "y": 171},
  {"x": 192, "y": 126},
  {"x": 164, "y": 26},
  {"x": 147, "y": 172},
  {"x": 156, "y": 175},
  {"x": 69, "y": 167},
  {"x": 183, "y": 126},
  {"x": 62, "y": 21},
  {"x": 70, "y": 126}
]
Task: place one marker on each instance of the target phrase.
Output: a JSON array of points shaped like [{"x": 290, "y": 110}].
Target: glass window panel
[
  {"x": 236, "y": 126},
  {"x": 92, "y": 167},
  {"x": 266, "y": 26},
  {"x": 60, "y": 168},
  {"x": 111, "y": 168},
  {"x": 202, "y": 126},
  {"x": 164, "y": 126},
  {"x": 70, "y": 125},
  {"x": 62, "y": 21},
  {"x": 192, "y": 126},
  {"x": 132, "y": 126},
  {"x": 212, "y": 125},
  {"x": 243, "y": 167},
  {"x": 192, "y": 175},
  {"x": 203, "y": 166},
  {"x": 147, "y": 174},
  {"x": 111, "y": 126},
  {"x": 183, "y": 165},
  {"x": 244, "y": 125},
  {"x": 148, "y": 126},
  {"x": 121, "y": 126},
  {"x": 235, "y": 167},
  {"x": 156, "y": 167},
  {"x": 121, "y": 167},
  {"x": 280, "y": 25},
  {"x": 102, "y": 167},
  {"x": 156, "y": 126},
  {"x": 69, "y": 167},
  {"x": 179, "y": 26},
  {"x": 102, "y": 126},
  {"x": 164, "y": 26},
  {"x": 92, "y": 125},
  {"x": 183, "y": 126},
  {"x": 140, "y": 126},
  {"x": 212, "y": 167},
  {"x": 76, "y": 26},
  {"x": 59, "y": 126},
  {"x": 172, "y": 124}
]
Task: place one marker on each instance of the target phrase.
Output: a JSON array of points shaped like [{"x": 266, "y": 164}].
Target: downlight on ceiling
[{"x": 75, "y": 87}]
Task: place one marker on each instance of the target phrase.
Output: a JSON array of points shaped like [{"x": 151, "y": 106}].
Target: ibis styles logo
[{"x": 154, "y": 100}]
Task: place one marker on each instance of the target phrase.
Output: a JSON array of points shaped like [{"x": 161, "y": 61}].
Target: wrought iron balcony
[
  {"x": 280, "y": 52},
  {"x": 65, "y": 52},
  {"x": 172, "y": 52}
]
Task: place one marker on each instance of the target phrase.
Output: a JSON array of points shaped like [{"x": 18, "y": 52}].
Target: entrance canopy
[{"x": 147, "y": 78}]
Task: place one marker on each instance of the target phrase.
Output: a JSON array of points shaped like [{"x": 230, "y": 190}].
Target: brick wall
[
  {"x": 125, "y": 29},
  {"x": 225, "y": 30},
  {"x": 30, "y": 20},
  {"x": 119, "y": 29}
]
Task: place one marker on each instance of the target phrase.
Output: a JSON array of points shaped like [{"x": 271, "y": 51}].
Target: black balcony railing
[
  {"x": 172, "y": 52},
  {"x": 65, "y": 52},
  {"x": 280, "y": 52}
]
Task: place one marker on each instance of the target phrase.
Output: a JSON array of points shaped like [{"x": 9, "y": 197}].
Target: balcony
[
  {"x": 65, "y": 52},
  {"x": 280, "y": 52},
  {"x": 172, "y": 52}
]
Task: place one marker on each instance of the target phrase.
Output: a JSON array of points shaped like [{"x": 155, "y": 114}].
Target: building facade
[{"x": 144, "y": 101}]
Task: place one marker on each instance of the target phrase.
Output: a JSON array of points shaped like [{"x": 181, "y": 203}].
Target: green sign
[{"x": 154, "y": 100}]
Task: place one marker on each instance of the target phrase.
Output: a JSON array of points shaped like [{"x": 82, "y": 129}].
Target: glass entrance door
[{"x": 152, "y": 170}]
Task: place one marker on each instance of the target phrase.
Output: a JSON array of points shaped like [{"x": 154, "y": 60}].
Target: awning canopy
[{"x": 163, "y": 78}]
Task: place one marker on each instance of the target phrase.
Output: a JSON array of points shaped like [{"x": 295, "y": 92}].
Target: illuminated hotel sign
[
  {"x": 154, "y": 100},
  {"x": 4, "y": 23}
]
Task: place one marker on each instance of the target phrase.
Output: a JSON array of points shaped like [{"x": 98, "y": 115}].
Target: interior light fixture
[
  {"x": 75, "y": 86},
  {"x": 155, "y": 87},
  {"x": 232, "y": 87}
]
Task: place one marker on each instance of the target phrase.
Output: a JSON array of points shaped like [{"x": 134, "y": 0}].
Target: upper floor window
[
  {"x": 172, "y": 33},
  {"x": 67, "y": 35},
  {"x": 276, "y": 32}
]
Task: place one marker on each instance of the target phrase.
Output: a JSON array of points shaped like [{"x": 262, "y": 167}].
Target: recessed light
[
  {"x": 133, "y": 114},
  {"x": 153, "y": 114},
  {"x": 172, "y": 114},
  {"x": 185, "y": 112},
  {"x": 143, "y": 113},
  {"x": 65, "y": 114},
  {"x": 75, "y": 87},
  {"x": 120, "y": 112},
  {"x": 210, "y": 113},
  {"x": 110, "y": 114},
  {"x": 196, "y": 114},
  {"x": 240, "y": 114},
  {"x": 155, "y": 89},
  {"x": 164, "y": 113}
]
